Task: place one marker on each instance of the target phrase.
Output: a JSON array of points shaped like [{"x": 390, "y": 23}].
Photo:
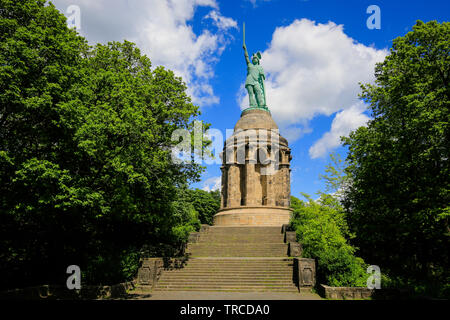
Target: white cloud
[
  {"x": 344, "y": 122},
  {"x": 212, "y": 184},
  {"x": 255, "y": 2},
  {"x": 221, "y": 22},
  {"x": 162, "y": 30},
  {"x": 313, "y": 69}
]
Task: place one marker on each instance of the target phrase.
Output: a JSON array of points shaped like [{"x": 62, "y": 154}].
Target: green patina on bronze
[{"x": 255, "y": 80}]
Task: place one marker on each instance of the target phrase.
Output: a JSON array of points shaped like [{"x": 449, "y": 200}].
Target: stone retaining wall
[
  {"x": 346, "y": 293},
  {"x": 151, "y": 269},
  {"x": 57, "y": 292}
]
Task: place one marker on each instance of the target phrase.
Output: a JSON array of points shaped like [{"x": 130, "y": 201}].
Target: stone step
[
  {"x": 230, "y": 265},
  {"x": 242, "y": 247},
  {"x": 226, "y": 285},
  {"x": 234, "y": 240},
  {"x": 253, "y": 229},
  {"x": 229, "y": 276},
  {"x": 219, "y": 249},
  {"x": 236, "y": 254},
  {"x": 240, "y": 289},
  {"x": 230, "y": 273},
  {"x": 224, "y": 280},
  {"x": 281, "y": 250},
  {"x": 240, "y": 277},
  {"x": 237, "y": 249},
  {"x": 239, "y": 262},
  {"x": 231, "y": 288},
  {"x": 239, "y": 266},
  {"x": 198, "y": 275},
  {"x": 240, "y": 272},
  {"x": 241, "y": 235},
  {"x": 210, "y": 254},
  {"x": 234, "y": 259},
  {"x": 242, "y": 260},
  {"x": 239, "y": 245},
  {"x": 235, "y": 268}
]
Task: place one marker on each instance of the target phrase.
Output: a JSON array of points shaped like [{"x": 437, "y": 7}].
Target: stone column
[
  {"x": 250, "y": 182},
  {"x": 233, "y": 186},
  {"x": 270, "y": 189},
  {"x": 224, "y": 187},
  {"x": 285, "y": 186},
  {"x": 288, "y": 187},
  {"x": 277, "y": 180},
  {"x": 258, "y": 185}
]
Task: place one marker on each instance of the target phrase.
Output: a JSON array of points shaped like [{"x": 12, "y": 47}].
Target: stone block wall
[
  {"x": 58, "y": 292},
  {"x": 151, "y": 269},
  {"x": 346, "y": 293}
]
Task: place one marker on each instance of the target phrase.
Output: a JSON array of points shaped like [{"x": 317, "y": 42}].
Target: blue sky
[{"x": 314, "y": 53}]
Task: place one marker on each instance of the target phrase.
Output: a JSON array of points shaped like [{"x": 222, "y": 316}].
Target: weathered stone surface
[
  {"x": 295, "y": 249},
  {"x": 204, "y": 228},
  {"x": 284, "y": 228},
  {"x": 58, "y": 292},
  {"x": 306, "y": 269},
  {"x": 290, "y": 236},
  {"x": 252, "y": 216},
  {"x": 174, "y": 263},
  {"x": 193, "y": 237},
  {"x": 346, "y": 293},
  {"x": 152, "y": 268},
  {"x": 150, "y": 271},
  {"x": 255, "y": 119}
]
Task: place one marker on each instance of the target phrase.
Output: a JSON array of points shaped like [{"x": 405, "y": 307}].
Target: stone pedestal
[{"x": 255, "y": 174}]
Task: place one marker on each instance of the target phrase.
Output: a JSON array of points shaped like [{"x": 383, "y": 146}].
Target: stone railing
[
  {"x": 294, "y": 248},
  {"x": 304, "y": 268},
  {"x": 151, "y": 268}
]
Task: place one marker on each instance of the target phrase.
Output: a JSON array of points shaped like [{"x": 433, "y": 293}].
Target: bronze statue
[{"x": 255, "y": 80}]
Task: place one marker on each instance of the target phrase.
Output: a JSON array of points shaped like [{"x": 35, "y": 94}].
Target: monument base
[{"x": 252, "y": 216}]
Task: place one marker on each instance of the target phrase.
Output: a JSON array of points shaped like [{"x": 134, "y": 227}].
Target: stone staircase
[{"x": 235, "y": 259}]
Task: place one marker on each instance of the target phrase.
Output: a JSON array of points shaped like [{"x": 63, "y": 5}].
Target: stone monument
[{"x": 255, "y": 162}]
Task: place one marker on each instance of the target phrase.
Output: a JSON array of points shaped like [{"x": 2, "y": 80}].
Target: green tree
[
  {"x": 336, "y": 180},
  {"x": 206, "y": 203},
  {"x": 186, "y": 213},
  {"x": 398, "y": 201},
  {"x": 86, "y": 175},
  {"x": 322, "y": 229}
]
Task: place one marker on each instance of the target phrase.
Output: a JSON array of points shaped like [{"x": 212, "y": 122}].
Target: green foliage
[
  {"x": 321, "y": 229},
  {"x": 111, "y": 267},
  {"x": 187, "y": 217},
  {"x": 86, "y": 175},
  {"x": 398, "y": 200},
  {"x": 335, "y": 178},
  {"x": 206, "y": 204}
]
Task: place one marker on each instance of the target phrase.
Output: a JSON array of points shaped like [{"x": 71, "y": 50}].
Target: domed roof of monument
[{"x": 255, "y": 119}]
